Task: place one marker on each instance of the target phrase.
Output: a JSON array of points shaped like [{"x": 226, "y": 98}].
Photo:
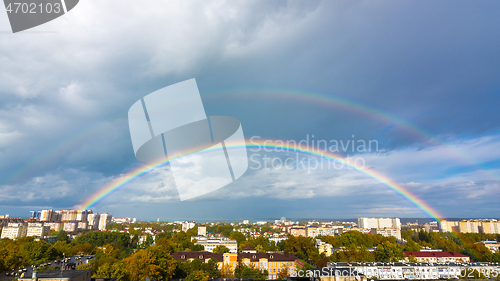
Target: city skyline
[{"x": 421, "y": 94}]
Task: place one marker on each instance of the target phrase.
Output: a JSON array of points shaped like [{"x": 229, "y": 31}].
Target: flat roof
[{"x": 53, "y": 274}]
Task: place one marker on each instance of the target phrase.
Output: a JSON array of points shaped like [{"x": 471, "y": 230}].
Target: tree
[
  {"x": 35, "y": 252},
  {"x": 411, "y": 258},
  {"x": 141, "y": 265},
  {"x": 410, "y": 245},
  {"x": 119, "y": 240},
  {"x": 62, "y": 236},
  {"x": 147, "y": 242},
  {"x": 197, "y": 275},
  {"x": 110, "y": 270},
  {"x": 221, "y": 249},
  {"x": 243, "y": 271},
  {"x": 283, "y": 274},
  {"x": 152, "y": 262},
  {"x": 302, "y": 247},
  {"x": 84, "y": 249},
  {"x": 226, "y": 271},
  {"x": 388, "y": 252},
  {"x": 239, "y": 237},
  {"x": 61, "y": 247}
]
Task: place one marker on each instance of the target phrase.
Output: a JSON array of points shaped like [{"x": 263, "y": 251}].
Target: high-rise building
[
  {"x": 14, "y": 231},
  {"x": 69, "y": 215},
  {"x": 187, "y": 225},
  {"x": 202, "y": 230},
  {"x": 55, "y": 226},
  {"x": 471, "y": 226},
  {"x": 93, "y": 220},
  {"x": 82, "y": 225},
  {"x": 35, "y": 214},
  {"x": 70, "y": 226},
  {"x": 370, "y": 223},
  {"x": 46, "y": 215},
  {"x": 104, "y": 220},
  {"x": 37, "y": 230},
  {"x": 83, "y": 215},
  {"x": 211, "y": 244}
]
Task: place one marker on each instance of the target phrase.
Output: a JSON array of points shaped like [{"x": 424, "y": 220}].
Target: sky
[{"x": 418, "y": 78}]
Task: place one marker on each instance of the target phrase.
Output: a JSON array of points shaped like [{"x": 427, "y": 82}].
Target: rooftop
[
  {"x": 434, "y": 254},
  {"x": 56, "y": 274}
]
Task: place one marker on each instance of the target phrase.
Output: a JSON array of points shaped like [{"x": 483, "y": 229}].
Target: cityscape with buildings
[
  {"x": 371, "y": 248},
  {"x": 222, "y": 140}
]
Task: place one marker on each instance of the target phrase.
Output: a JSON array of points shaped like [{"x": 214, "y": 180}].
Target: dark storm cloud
[{"x": 64, "y": 97}]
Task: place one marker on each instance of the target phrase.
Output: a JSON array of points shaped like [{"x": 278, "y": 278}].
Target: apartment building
[
  {"x": 187, "y": 225},
  {"x": 379, "y": 223},
  {"x": 471, "y": 226},
  {"x": 104, "y": 220},
  {"x": 314, "y": 231},
  {"x": 493, "y": 246},
  {"x": 93, "y": 220},
  {"x": 70, "y": 226},
  {"x": 212, "y": 243},
  {"x": 46, "y": 215},
  {"x": 298, "y": 231},
  {"x": 202, "y": 230},
  {"x": 37, "y": 230},
  {"x": 54, "y": 225},
  {"x": 387, "y": 232},
  {"x": 324, "y": 248},
  {"x": 436, "y": 256},
  {"x": 13, "y": 231},
  {"x": 274, "y": 263}
]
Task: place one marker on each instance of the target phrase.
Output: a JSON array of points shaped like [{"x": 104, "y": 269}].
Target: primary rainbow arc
[{"x": 135, "y": 174}]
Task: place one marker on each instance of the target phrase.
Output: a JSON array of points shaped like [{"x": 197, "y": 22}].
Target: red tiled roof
[{"x": 434, "y": 254}]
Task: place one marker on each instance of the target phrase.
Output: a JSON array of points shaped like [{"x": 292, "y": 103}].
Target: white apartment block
[
  {"x": 83, "y": 215},
  {"x": 70, "y": 226},
  {"x": 471, "y": 226},
  {"x": 104, "y": 220},
  {"x": 202, "y": 230},
  {"x": 386, "y": 232},
  {"x": 46, "y": 215},
  {"x": 14, "y": 231},
  {"x": 93, "y": 220},
  {"x": 211, "y": 244},
  {"x": 56, "y": 226},
  {"x": 121, "y": 220},
  {"x": 187, "y": 225},
  {"x": 37, "y": 230},
  {"x": 82, "y": 225},
  {"x": 379, "y": 223}
]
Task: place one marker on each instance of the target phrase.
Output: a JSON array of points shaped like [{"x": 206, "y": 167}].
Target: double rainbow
[{"x": 133, "y": 175}]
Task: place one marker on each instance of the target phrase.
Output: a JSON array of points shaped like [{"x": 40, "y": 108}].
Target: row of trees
[
  {"x": 156, "y": 263},
  {"x": 464, "y": 243}
]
